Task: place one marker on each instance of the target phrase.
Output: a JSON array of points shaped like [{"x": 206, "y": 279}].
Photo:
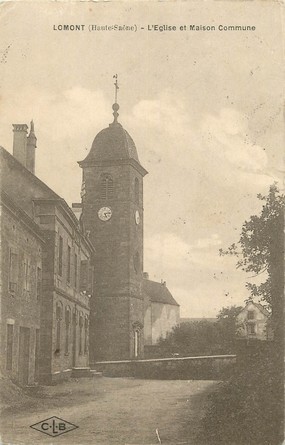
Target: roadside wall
[{"x": 181, "y": 368}]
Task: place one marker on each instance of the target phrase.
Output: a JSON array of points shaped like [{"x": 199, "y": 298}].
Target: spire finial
[
  {"x": 32, "y": 127},
  {"x": 115, "y": 105},
  {"x": 116, "y": 86}
]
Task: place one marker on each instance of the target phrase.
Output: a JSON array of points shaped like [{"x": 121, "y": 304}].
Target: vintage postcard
[{"x": 142, "y": 222}]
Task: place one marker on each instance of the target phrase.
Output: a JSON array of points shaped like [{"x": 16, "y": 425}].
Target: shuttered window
[
  {"x": 86, "y": 325},
  {"x": 67, "y": 329},
  {"x": 75, "y": 271},
  {"x": 80, "y": 333},
  {"x": 60, "y": 253},
  {"x": 9, "y": 352},
  {"x": 13, "y": 270},
  {"x": 68, "y": 263},
  {"x": 58, "y": 328},
  {"x": 106, "y": 187},
  {"x": 39, "y": 283},
  {"x": 86, "y": 276},
  {"x": 83, "y": 275},
  {"x": 27, "y": 274}
]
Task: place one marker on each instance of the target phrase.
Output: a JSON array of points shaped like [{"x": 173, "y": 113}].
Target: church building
[
  {"x": 128, "y": 310},
  {"x": 74, "y": 291}
]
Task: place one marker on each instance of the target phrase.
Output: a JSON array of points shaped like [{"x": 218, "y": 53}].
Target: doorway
[
  {"x": 74, "y": 339},
  {"x": 37, "y": 356},
  {"x": 24, "y": 355}
]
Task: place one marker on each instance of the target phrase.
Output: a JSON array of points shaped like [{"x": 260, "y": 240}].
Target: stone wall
[{"x": 182, "y": 368}]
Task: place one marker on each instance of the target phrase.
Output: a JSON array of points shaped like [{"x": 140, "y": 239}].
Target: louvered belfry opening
[{"x": 106, "y": 187}]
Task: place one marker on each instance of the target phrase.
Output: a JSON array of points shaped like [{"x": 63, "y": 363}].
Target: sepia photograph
[{"x": 142, "y": 222}]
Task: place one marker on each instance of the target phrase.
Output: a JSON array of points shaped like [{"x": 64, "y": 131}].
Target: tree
[
  {"x": 260, "y": 249},
  {"x": 227, "y": 327},
  {"x": 254, "y": 393},
  {"x": 229, "y": 313},
  {"x": 203, "y": 337},
  {"x": 190, "y": 339}
]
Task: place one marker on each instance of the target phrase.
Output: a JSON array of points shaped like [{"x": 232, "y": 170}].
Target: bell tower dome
[{"x": 112, "y": 212}]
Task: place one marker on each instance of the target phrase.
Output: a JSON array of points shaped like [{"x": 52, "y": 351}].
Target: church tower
[{"x": 112, "y": 213}]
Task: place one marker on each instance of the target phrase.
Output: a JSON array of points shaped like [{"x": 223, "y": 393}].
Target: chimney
[
  {"x": 31, "y": 152},
  {"x": 163, "y": 283},
  {"x": 146, "y": 276},
  {"x": 20, "y": 142},
  {"x": 23, "y": 146}
]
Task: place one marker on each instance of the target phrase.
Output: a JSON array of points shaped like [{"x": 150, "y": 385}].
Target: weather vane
[{"x": 116, "y": 86}]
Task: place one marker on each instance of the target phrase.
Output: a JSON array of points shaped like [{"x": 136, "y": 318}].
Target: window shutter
[
  {"x": 106, "y": 187},
  {"x": 110, "y": 187},
  {"x": 83, "y": 275},
  {"x": 13, "y": 270},
  {"x": 90, "y": 279}
]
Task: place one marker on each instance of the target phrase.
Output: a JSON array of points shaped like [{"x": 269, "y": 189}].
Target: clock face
[
  {"x": 137, "y": 217},
  {"x": 105, "y": 213}
]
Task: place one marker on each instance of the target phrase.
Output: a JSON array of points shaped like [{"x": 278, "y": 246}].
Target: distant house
[{"x": 252, "y": 322}]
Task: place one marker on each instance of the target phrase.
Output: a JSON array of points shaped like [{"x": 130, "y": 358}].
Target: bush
[
  {"x": 202, "y": 337},
  {"x": 246, "y": 410}
]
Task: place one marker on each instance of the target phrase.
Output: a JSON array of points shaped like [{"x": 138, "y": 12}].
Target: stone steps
[
  {"x": 95, "y": 373},
  {"x": 85, "y": 372}
]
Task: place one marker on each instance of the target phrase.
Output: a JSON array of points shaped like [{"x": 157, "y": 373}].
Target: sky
[{"x": 203, "y": 107}]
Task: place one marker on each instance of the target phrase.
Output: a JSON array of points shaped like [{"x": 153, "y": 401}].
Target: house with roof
[
  {"x": 46, "y": 273},
  {"x": 253, "y": 322}
]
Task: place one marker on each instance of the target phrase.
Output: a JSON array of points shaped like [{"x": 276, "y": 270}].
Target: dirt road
[{"x": 112, "y": 411}]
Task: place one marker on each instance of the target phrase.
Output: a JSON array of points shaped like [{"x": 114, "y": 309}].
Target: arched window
[
  {"x": 136, "y": 342},
  {"x": 137, "y": 191},
  {"x": 106, "y": 186},
  {"x": 86, "y": 330},
  {"x": 67, "y": 328},
  {"x": 137, "y": 332},
  {"x": 80, "y": 333},
  {"x": 58, "y": 316}
]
